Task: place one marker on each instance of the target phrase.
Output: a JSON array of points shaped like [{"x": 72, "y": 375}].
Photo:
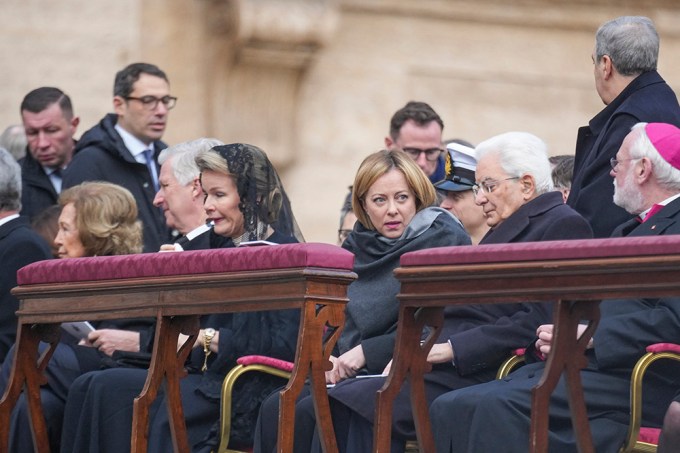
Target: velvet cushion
[
  {"x": 664, "y": 347},
  {"x": 265, "y": 360},
  {"x": 546, "y": 250},
  {"x": 282, "y": 256},
  {"x": 649, "y": 435}
]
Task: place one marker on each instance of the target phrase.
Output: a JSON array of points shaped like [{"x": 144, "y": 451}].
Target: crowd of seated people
[{"x": 416, "y": 194}]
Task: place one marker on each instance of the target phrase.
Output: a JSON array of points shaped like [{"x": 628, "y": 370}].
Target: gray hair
[
  {"x": 13, "y": 139},
  {"x": 184, "y": 164},
  {"x": 631, "y": 42},
  {"x": 666, "y": 175},
  {"x": 10, "y": 182},
  {"x": 520, "y": 153}
]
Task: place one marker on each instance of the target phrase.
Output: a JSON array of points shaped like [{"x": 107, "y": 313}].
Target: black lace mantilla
[{"x": 263, "y": 200}]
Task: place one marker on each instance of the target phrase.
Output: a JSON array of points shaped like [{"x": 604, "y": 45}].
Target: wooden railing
[
  {"x": 576, "y": 275},
  {"x": 176, "y": 298}
]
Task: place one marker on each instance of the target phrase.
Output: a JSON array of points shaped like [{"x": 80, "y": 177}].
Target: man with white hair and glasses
[{"x": 496, "y": 416}]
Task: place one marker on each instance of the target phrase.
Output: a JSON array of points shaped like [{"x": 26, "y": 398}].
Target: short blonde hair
[
  {"x": 378, "y": 164},
  {"x": 106, "y": 218}
]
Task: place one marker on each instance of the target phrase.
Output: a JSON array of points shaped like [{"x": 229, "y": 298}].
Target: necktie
[
  {"x": 151, "y": 165},
  {"x": 55, "y": 179},
  {"x": 656, "y": 208}
]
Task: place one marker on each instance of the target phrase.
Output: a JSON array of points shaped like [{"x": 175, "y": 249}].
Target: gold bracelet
[{"x": 208, "y": 335}]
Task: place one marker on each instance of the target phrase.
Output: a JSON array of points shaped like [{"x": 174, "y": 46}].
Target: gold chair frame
[
  {"x": 632, "y": 444},
  {"x": 227, "y": 389}
]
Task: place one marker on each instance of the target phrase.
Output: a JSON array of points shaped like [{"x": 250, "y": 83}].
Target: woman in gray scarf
[{"x": 392, "y": 200}]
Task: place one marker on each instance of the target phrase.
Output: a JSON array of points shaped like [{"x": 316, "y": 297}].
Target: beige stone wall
[{"x": 314, "y": 82}]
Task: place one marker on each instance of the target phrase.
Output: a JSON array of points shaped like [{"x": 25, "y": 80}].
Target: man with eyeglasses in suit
[
  {"x": 123, "y": 148},
  {"x": 417, "y": 130}
]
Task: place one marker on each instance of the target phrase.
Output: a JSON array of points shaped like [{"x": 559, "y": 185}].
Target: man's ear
[
  {"x": 528, "y": 184},
  {"x": 196, "y": 190},
  {"x": 75, "y": 121},
  {"x": 118, "y": 105},
  {"x": 607, "y": 67},
  {"x": 389, "y": 143},
  {"x": 643, "y": 170}
]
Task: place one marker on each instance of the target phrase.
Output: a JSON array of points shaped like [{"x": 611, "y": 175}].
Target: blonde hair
[
  {"x": 378, "y": 164},
  {"x": 106, "y": 218}
]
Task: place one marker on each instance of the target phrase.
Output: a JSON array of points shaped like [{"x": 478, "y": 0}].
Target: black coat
[
  {"x": 647, "y": 98},
  {"x": 545, "y": 218},
  {"x": 665, "y": 221},
  {"x": 37, "y": 191},
  {"x": 101, "y": 155},
  {"x": 19, "y": 246}
]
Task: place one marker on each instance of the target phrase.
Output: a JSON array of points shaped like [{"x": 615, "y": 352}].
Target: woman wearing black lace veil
[
  {"x": 264, "y": 205},
  {"x": 246, "y": 201}
]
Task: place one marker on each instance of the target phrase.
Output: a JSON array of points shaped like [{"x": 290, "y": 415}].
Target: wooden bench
[
  {"x": 575, "y": 274},
  {"x": 176, "y": 288}
]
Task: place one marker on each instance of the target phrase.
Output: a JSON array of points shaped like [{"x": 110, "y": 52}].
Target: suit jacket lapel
[{"x": 660, "y": 222}]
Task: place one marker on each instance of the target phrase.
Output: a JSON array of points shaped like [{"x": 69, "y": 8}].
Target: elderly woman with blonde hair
[{"x": 97, "y": 219}]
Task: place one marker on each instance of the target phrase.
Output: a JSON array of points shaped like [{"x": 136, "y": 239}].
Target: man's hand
[
  {"x": 109, "y": 340},
  {"x": 440, "y": 353},
  {"x": 545, "y": 337}
]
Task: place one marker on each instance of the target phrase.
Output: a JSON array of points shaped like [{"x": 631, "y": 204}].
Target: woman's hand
[
  {"x": 200, "y": 340},
  {"x": 346, "y": 365},
  {"x": 333, "y": 376},
  {"x": 388, "y": 367},
  {"x": 109, "y": 340}
]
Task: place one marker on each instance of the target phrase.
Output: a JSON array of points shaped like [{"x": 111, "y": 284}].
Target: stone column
[{"x": 267, "y": 46}]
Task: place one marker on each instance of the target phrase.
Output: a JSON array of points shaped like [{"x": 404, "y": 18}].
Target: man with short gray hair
[
  {"x": 180, "y": 196},
  {"x": 625, "y": 60},
  {"x": 19, "y": 246}
]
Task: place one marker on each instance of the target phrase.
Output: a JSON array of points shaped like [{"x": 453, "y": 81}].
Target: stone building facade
[{"x": 314, "y": 82}]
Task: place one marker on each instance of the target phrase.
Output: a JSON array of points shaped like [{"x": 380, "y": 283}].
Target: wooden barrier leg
[
  {"x": 188, "y": 325},
  {"x": 433, "y": 318},
  {"x": 165, "y": 363},
  {"x": 28, "y": 372},
  {"x": 410, "y": 358},
  {"x": 311, "y": 359},
  {"x": 334, "y": 316},
  {"x": 566, "y": 355},
  {"x": 584, "y": 311}
]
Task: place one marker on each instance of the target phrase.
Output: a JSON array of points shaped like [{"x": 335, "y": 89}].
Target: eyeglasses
[
  {"x": 151, "y": 102},
  {"x": 342, "y": 235},
  {"x": 431, "y": 154},
  {"x": 488, "y": 185},
  {"x": 615, "y": 162}
]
